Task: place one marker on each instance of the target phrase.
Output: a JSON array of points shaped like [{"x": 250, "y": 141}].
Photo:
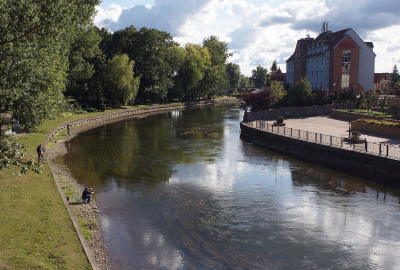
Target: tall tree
[
  {"x": 394, "y": 78},
  {"x": 34, "y": 42},
  {"x": 196, "y": 61},
  {"x": 233, "y": 71},
  {"x": 149, "y": 49},
  {"x": 300, "y": 93},
  {"x": 82, "y": 63},
  {"x": 218, "y": 50},
  {"x": 274, "y": 67},
  {"x": 259, "y": 76},
  {"x": 120, "y": 84}
]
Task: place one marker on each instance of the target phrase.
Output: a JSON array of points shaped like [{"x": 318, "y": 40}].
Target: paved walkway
[{"x": 331, "y": 126}]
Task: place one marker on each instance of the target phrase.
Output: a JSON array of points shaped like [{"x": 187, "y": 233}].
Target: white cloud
[
  {"x": 107, "y": 15},
  {"x": 258, "y": 35}
]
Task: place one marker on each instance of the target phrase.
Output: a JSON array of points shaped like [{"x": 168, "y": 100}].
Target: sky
[{"x": 260, "y": 31}]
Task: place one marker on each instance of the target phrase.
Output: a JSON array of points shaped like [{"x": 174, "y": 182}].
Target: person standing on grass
[
  {"x": 40, "y": 151},
  {"x": 68, "y": 126}
]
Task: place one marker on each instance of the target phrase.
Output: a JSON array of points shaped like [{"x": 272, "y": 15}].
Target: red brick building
[{"x": 333, "y": 60}]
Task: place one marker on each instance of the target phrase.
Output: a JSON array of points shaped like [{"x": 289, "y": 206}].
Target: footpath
[{"x": 327, "y": 125}]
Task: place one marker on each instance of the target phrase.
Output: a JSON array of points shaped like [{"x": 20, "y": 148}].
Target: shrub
[
  {"x": 260, "y": 99},
  {"x": 280, "y": 119},
  {"x": 355, "y": 134}
]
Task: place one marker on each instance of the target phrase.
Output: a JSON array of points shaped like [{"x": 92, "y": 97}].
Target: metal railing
[{"x": 379, "y": 149}]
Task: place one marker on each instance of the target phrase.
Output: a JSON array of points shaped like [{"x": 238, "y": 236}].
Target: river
[{"x": 181, "y": 190}]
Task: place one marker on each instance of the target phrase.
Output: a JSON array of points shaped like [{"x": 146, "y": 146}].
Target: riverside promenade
[
  {"x": 323, "y": 140},
  {"x": 325, "y": 124}
]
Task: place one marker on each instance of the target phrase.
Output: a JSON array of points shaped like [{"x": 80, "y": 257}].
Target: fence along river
[{"x": 180, "y": 190}]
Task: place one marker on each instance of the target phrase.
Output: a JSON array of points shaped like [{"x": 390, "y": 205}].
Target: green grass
[
  {"x": 374, "y": 113},
  {"x": 36, "y": 231}
]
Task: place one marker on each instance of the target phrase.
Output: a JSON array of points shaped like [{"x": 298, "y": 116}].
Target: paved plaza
[{"x": 331, "y": 126}]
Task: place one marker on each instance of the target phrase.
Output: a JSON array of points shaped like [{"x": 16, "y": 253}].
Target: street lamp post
[{"x": 350, "y": 120}]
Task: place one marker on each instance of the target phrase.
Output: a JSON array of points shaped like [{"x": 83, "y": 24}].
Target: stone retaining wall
[
  {"x": 291, "y": 112},
  {"x": 375, "y": 168}
]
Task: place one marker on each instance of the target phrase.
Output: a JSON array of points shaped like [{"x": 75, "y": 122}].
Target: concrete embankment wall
[{"x": 375, "y": 168}]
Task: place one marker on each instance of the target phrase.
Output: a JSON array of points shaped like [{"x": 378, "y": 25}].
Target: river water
[{"x": 181, "y": 190}]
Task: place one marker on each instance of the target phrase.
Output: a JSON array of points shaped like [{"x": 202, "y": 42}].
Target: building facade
[
  {"x": 333, "y": 60},
  {"x": 381, "y": 80}
]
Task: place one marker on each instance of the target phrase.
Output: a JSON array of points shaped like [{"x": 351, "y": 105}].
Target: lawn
[{"x": 36, "y": 231}]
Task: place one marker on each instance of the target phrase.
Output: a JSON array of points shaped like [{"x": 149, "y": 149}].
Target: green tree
[
  {"x": 259, "y": 76},
  {"x": 245, "y": 81},
  {"x": 280, "y": 93},
  {"x": 196, "y": 61},
  {"x": 218, "y": 50},
  {"x": 394, "y": 79},
  {"x": 149, "y": 49},
  {"x": 233, "y": 71},
  {"x": 120, "y": 84},
  {"x": 300, "y": 93},
  {"x": 35, "y": 40},
  {"x": 274, "y": 67},
  {"x": 82, "y": 63}
]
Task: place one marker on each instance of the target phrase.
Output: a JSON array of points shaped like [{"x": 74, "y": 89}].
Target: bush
[
  {"x": 355, "y": 134},
  {"x": 260, "y": 99},
  {"x": 101, "y": 107},
  {"x": 280, "y": 120}
]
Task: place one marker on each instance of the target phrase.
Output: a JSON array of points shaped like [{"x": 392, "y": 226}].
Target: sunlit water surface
[{"x": 180, "y": 190}]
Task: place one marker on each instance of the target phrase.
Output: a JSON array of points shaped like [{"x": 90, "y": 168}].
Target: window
[
  {"x": 312, "y": 63},
  {"x": 321, "y": 85},
  {"x": 322, "y": 74},
  {"x": 322, "y": 61},
  {"x": 316, "y": 61},
  {"x": 345, "y": 68},
  {"x": 316, "y": 74},
  {"x": 312, "y": 74}
]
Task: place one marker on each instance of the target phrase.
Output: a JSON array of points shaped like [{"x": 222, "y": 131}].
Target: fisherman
[
  {"x": 87, "y": 194},
  {"x": 40, "y": 151}
]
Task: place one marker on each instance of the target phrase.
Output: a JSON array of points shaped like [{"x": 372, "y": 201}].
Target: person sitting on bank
[
  {"x": 40, "y": 151},
  {"x": 87, "y": 194}
]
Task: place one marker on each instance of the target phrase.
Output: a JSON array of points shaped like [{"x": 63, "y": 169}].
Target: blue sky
[{"x": 261, "y": 31}]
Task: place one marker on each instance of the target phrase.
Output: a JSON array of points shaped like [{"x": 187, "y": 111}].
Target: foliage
[
  {"x": 321, "y": 97},
  {"x": 274, "y": 67},
  {"x": 394, "y": 78},
  {"x": 355, "y": 134},
  {"x": 121, "y": 85},
  {"x": 259, "y": 76},
  {"x": 12, "y": 155},
  {"x": 278, "y": 90},
  {"x": 245, "y": 81},
  {"x": 378, "y": 122},
  {"x": 349, "y": 93},
  {"x": 233, "y": 71},
  {"x": 280, "y": 119},
  {"x": 368, "y": 98},
  {"x": 260, "y": 99},
  {"x": 300, "y": 93}
]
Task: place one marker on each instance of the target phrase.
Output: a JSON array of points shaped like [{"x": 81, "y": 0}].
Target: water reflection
[{"x": 180, "y": 190}]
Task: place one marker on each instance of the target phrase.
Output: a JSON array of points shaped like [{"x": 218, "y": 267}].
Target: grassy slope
[{"x": 35, "y": 229}]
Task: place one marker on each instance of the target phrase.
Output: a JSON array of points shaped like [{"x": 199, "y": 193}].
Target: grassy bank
[{"x": 36, "y": 231}]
